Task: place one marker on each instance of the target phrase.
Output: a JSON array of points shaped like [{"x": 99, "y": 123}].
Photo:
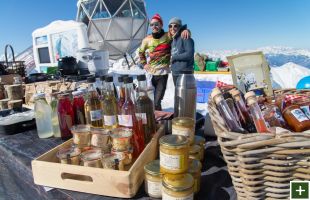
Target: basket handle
[{"x": 6, "y": 54}]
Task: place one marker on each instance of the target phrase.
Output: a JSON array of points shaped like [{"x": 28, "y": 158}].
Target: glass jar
[
  {"x": 178, "y": 187},
  {"x": 121, "y": 139},
  {"x": 126, "y": 156},
  {"x": 201, "y": 141},
  {"x": 195, "y": 171},
  {"x": 153, "y": 179},
  {"x": 70, "y": 156},
  {"x": 174, "y": 153},
  {"x": 195, "y": 152},
  {"x": 92, "y": 158},
  {"x": 184, "y": 126},
  {"x": 81, "y": 135},
  {"x": 101, "y": 139},
  {"x": 112, "y": 161},
  {"x": 296, "y": 119}
]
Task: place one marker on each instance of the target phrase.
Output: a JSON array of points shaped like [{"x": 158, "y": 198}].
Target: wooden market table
[{"x": 16, "y": 181}]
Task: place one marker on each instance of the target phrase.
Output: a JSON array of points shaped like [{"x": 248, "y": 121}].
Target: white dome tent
[{"x": 118, "y": 26}]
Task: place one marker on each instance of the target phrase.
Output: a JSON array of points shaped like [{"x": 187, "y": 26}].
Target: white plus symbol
[{"x": 300, "y": 190}]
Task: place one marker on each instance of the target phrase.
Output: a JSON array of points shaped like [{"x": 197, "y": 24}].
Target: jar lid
[
  {"x": 121, "y": 133},
  {"x": 194, "y": 166},
  {"x": 199, "y": 140},
  {"x": 153, "y": 168},
  {"x": 183, "y": 121},
  {"x": 68, "y": 152},
  {"x": 79, "y": 129},
  {"x": 178, "y": 182},
  {"x": 91, "y": 155},
  {"x": 194, "y": 149},
  {"x": 173, "y": 141}
]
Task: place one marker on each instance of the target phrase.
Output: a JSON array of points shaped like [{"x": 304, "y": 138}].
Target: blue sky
[{"x": 215, "y": 24}]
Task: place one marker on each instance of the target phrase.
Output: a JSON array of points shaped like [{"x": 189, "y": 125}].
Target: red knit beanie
[{"x": 158, "y": 17}]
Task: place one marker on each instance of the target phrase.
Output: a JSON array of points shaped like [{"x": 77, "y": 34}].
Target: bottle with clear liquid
[
  {"x": 256, "y": 113},
  {"x": 129, "y": 120},
  {"x": 244, "y": 115},
  {"x": 93, "y": 106},
  {"x": 55, "y": 121},
  {"x": 230, "y": 120},
  {"x": 145, "y": 109},
  {"x": 43, "y": 114},
  {"x": 110, "y": 105}
]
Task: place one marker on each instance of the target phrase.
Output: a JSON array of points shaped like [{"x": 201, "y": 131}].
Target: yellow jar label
[
  {"x": 166, "y": 196},
  {"x": 171, "y": 162},
  {"x": 154, "y": 188}
]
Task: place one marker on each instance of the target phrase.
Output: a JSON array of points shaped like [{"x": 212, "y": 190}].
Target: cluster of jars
[
  {"x": 98, "y": 147},
  {"x": 177, "y": 173}
]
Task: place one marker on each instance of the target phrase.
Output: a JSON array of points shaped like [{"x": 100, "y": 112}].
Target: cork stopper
[
  {"x": 234, "y": 92},
  {"x": 250, "y": 97},
  {"x": 216, "y": 95}
]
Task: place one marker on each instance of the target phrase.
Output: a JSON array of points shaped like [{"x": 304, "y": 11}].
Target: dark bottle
[
  {"x": 129, "y": 120},
  {"x": 109, "y": 105},
  {"x": 145, "y": 109},
  {"x": 93, "y": 106},
  {"x": 230, "y": 102},
  {"x": 244, "y": 115},
  {"x": 230, "y": 120},
  {"x": 78, "y": 107},
  {"x": 65, "y": 116}
]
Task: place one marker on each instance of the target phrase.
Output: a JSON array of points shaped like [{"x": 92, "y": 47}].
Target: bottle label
[
  {"x": 184, "y": 132},
  {"x": 109, "y": 120},
  {"x": 95, "y": 115},
  {"x": 168, "y": 197},
  {"x": 125, "y": 120},
  {"x": 306, "y": 110},
  {"x": 154, "y": 188},
  {"x": 299, "y": 115},
  {"x": 171, "y": 162},
  {"x": 143, "y": 117}
]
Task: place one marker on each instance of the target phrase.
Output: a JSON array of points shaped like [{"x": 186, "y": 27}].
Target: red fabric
[
  {"x": 220, "y": 84},
  {"x": 158, "y": 17},
  {"x": 290, "y": 98}
]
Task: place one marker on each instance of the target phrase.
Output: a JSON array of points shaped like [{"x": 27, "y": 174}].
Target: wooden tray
[{"x": 49, "y": 172}]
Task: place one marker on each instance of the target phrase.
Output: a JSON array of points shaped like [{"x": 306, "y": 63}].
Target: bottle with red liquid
[
  {"x": 256, "y": 113},
  {"x": 65, "y": 115},
  {"x": 244, "y": 115},
  {"x": 128, "y": 119},
  {"x": 78, "y": 107}
]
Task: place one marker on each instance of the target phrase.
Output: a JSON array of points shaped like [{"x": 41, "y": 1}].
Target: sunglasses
[
  {"x": 155, "y": 24},
  {"x": 174, "y": 26}
]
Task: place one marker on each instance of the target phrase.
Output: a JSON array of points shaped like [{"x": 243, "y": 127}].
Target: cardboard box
[{"x": 47, "y": 171}]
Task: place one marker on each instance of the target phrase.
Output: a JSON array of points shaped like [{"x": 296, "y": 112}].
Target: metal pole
[
  {"x": 127, "y": 61},
  {"x": 133, "y": 60}
]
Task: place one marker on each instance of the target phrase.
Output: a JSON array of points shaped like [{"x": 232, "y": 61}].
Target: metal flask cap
[{"x": 186, "y": 80}]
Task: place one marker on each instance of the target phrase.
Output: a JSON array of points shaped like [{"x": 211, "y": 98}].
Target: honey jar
[
  {"x": 100, "y": 138},
  {"x": 69, "y": 156},
  {"x": 121, "y": 139},
  {"x": 195, "y": 152},
  {"x": 184, "y": 126},
  {"x": 178, "y": 187},
  {"x": 92, "y": 158},
  {"x": 201, "y": 141},
  {"x": 112, "y": 161},
  {"x": 153, "y": 179},
  {"x": 195, "y": 171},
  {"x": 81, "y": 135},
  {"x": 174, "y": 153}
]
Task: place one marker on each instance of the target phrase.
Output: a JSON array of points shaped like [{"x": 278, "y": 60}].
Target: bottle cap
[
  {"x": 109, "y": 79},
  {"x": 141, "y": 77},
  {"x": 128, "y": 80},
  {"x": 234, "y": 92},
  {"x": 91, "y": 79}
]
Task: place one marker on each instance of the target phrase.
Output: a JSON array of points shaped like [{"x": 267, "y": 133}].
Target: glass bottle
[
  {"x": 84, "y": 93},
  {"x": 129, "y": 120},
  {"x": 65, "y": 115},
  {"x": 78, "y": 107},
  {"x": 55, "y": 121},
  {"x": 110, "y": 105},
  {"x": 102, "y": 87},
  {"x": 256, "y": 113},
  {"x": 121, "y": 94},
  {"x": 223, "y": 108},
  {"x": 43, "y": 114},
  {"x": 145, "y": 109},
  {"x": 93, "y": 106},
  {"x": 230, "y": 102},
  {"x": 244, "y": 115},
  {"x": 273, "y": 116}
]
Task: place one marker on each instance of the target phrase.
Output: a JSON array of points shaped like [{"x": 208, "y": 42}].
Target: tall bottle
[
  {"x": 102, "y": 87},
  {"x": 256, "y": 113},
  {"x": 244, "y": 115},
  {"x": 55, "y": 121},
  {"x": 43, "y": 114},
  {"x": 110, "y": 105},
  {"x": 230, "y": 120},
  {"x": 129, "y": 120},
  {"x": 145, "y": 109},
  {"x": 121, "y": 94},
  {"x": 230, "y": 102},
  {"x": 93, "y": 106},
  {"x": 65, "y": 115},
  {"x": 78, "y": 107}
]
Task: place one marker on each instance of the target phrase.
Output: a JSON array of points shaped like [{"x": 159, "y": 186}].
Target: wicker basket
[{"x": 262, "y": 165}]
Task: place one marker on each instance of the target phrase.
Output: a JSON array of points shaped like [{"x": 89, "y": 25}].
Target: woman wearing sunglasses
[
  {"x": 158, "y": 46},
  {"x": 182, "y": 51}
]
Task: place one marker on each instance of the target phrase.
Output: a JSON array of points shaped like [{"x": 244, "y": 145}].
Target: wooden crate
[{"x": 47, "y": 171}]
